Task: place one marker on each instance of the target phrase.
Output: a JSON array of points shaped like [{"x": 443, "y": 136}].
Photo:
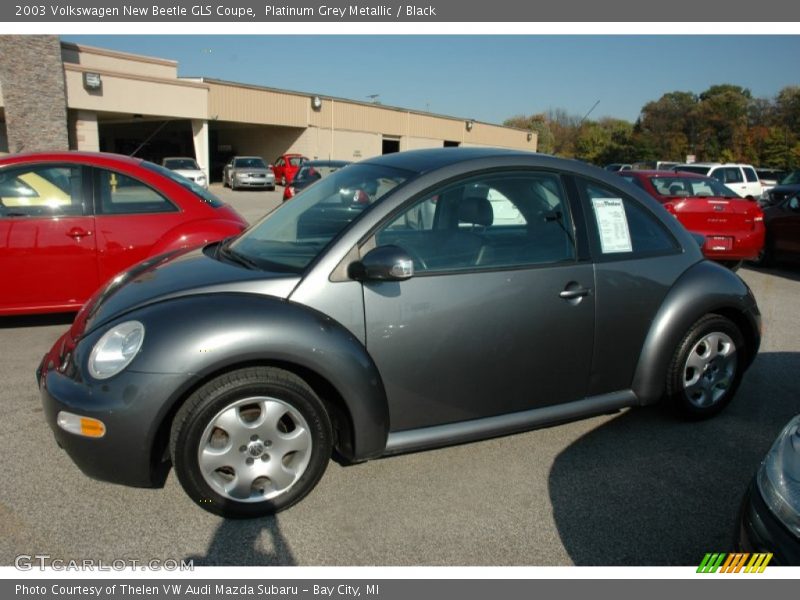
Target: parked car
[
  {"x": 70, "y": 221},
  {"x": 769, "y": 179},
  {"x": 618, "y": 167},
  {"x": 310, "y": 172},
  {"x": 286, "y": 166},
  {"x": 733, "y": 228},
  {"x": 770, "y": 515},
  {"x": 187, "y": 167},
  {"x": 786, "y": 187},
  {"x": 338, "y": 322},
  {"x": 742, "y": 179},
  {"x": 248, "y": 171},
  {"x": 782, "y": 221}
]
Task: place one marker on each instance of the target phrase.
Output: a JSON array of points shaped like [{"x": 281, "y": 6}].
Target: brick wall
[{"x": 34, "y": 94}]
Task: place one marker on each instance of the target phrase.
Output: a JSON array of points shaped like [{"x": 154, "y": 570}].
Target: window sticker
[{"x": 612, "y": 225}]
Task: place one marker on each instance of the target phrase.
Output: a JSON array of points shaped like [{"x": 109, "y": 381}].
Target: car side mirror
[{"x": 384, "y": 263}]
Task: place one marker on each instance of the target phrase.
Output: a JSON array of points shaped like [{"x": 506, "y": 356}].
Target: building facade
[{"x": 132, "y": 104}]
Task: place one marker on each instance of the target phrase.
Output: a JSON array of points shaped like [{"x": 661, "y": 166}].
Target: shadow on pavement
[
  {"x": 649, "y": 489},
  {"x": 37, "y": 320},
  {"x": 785, "y": 271},
  {"x": 247, "y": 543}
]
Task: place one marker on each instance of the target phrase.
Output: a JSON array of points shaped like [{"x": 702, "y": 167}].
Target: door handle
[
  {"x": 574, "y": 292},
  {"x": 77, "y": 233}
]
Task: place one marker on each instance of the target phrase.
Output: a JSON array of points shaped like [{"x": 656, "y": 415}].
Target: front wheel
[
  {"x": 706, "y": 368},
  {"x": 251, "y": 442}
]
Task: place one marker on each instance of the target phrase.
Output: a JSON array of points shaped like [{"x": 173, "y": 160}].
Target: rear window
[
  {"x": 693, "y": 169},
  {"x": 202, "y": 194},
  {"x": 750, "y": 174}
]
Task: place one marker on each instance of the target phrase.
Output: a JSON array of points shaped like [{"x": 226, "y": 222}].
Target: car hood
[
  {"x": 254, "y": 170},
  {"x": 190, "y": 172},
  {"x": 173, "y": 275}
]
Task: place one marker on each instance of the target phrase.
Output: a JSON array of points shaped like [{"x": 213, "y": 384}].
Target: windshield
[
  {"x": 291, "y": 236},
  {"x": 249, "y": 163},
  {"x": 310, "y": 172},
  {"x": 202, "y": 194},
  {"x": 791, "y": 179},
  {"x": 691, "y": 186},
  {"x": 691, "y": 169},
  {"x": 181, "y": 163}
]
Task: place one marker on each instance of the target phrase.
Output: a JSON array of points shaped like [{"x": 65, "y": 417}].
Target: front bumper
[
  {"x": 251, "y": 181},
  {"x": 132, "y": 405},
  {"x": 761, "y": 531}
]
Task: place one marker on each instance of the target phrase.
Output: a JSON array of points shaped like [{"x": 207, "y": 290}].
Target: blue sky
[{"x": 488, "y": 78}]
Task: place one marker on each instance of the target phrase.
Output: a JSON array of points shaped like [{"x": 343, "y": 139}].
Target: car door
[
  {"x": 499, "y": 316},
  {"x": 131, "y": 217},
  {"x": 784, "y": 228},
  {"x": 635, "y": 266},
  {"x": 47, "y": 238},
  {"x": 731, "y": 177},
  {"x": 277, "y": 168}
]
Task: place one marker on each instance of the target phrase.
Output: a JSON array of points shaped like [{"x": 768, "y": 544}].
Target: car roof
[
  {"x": 663, "y": 173},
  {"x": 71, "y": 155},
  {"x": 430, "y": 159},
  {"x": 326, "y": 163}
]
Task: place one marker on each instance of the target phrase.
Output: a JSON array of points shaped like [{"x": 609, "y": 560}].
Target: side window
[
  {"x": 42, "y": 191},
  {"x": 733, "y": 175},
  {"x": 123, "y": 195},
  {"x": 750, "y": 174},
  {"x": 624, "y": 227},
  {"x": 492, "y": 221}
]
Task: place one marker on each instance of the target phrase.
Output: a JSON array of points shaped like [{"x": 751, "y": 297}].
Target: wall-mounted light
[
  {"x": 530, "y": 136},
  {"x": 316, "y": 102},
  {"x": 470, "y": 124},
  {"x": 92, "y": 81}
]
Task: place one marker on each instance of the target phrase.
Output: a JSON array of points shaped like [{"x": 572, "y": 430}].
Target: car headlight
[
  {"x": 779, "y": 477},
  {"x": 116, "y": 349}
]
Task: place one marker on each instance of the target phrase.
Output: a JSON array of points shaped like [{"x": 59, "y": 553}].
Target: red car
[
  {"x": 70, "y": 221},
  {"x": 286, "y": 166},
  {"x": 733, "y": 227}
]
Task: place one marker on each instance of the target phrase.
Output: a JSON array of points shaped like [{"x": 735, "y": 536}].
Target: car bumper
[
  {"x": 131, "y": 405},
  {"x": 743, "y": 245},
  {"x": 253, "y": 182},
  {"x": 761, "y": 531}
]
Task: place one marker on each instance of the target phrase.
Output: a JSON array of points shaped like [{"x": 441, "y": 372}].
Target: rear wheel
[
  {"x": 706, "y": 368},
  {"x": 251, "y": 442}
]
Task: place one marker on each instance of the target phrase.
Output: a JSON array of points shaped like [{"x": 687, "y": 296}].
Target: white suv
[{"x": 742, "y": 179}]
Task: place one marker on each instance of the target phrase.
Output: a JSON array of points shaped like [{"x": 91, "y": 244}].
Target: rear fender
[{"x": 704, "y": 288}]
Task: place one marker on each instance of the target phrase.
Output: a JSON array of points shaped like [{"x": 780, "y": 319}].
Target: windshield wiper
[{"x": 243, "y": 260}]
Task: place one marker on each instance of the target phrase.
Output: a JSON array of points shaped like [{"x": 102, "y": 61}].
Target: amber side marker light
[{"x": 85, "y": 426}]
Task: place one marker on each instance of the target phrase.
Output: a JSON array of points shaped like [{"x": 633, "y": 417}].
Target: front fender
[
  {"x": 704, "y": 288},
  {"x": 195, "y": 233},
  {"x": 198, "y": 336}
]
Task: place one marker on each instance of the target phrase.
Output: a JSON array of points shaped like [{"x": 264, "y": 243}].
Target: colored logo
[{"x": 735, "y": 563}]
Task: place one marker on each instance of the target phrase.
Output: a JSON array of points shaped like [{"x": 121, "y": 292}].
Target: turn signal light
[{"x": 85, "y": 426}]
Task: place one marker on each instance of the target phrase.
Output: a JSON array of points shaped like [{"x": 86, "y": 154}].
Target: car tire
[
  {"x": 733, "y": 265},
  {"x": 706, "y": 368},
  {"x": 765, "y": 257},
  {"x": 251, "y": 442}
]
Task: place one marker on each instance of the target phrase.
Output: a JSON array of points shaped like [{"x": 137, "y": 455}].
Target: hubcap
[
  {"x": 709, "y": 369},
  {"x": 254, "y": 449}
]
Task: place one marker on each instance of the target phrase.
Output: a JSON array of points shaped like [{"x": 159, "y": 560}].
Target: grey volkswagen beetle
[{"x": 386, "y": 309}]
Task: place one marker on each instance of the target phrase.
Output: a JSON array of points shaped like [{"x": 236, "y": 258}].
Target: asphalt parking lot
[{"x": 633, "y": 488}]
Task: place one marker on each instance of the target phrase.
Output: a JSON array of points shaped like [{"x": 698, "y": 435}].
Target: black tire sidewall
[
  {"x": 708, "y": 324},
  {"x": 201, "y": 407}
]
